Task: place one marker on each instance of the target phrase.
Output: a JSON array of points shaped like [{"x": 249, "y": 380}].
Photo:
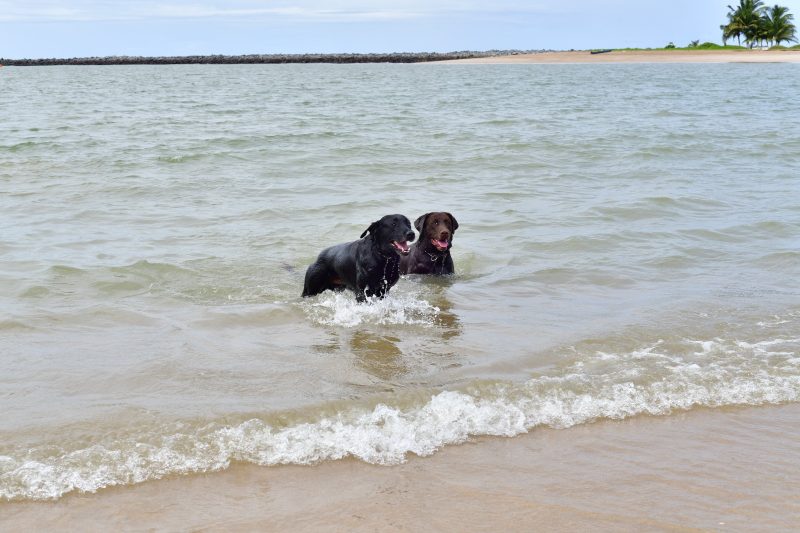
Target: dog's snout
[{"x": 410, "y": 236}]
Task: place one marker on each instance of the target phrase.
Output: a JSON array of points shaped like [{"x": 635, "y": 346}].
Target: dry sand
[
  {"x": 725, "y": 469},
  {"x": 646, "y": 56}
]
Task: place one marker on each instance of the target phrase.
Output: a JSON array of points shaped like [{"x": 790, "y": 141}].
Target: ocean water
[{"x": 628, "y": 246}]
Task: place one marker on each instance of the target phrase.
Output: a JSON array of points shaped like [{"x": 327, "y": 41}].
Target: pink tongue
[
  {"x": 401, "y": 245},
  {"x": 440, "y": 244}
]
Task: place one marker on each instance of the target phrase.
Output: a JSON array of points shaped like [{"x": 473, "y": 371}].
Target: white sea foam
[
  {"x": 342, "y": 309},
  {"x": 386, "y": 434}
]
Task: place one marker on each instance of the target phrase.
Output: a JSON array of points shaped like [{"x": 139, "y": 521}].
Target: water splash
[{"x": 341, "y": 309}]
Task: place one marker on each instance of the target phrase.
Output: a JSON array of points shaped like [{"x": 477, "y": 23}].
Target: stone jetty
[{"x": 411, "y": 57}]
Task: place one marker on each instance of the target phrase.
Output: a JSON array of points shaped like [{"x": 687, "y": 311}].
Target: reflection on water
[
  {"x": 330, "y": 347},
  {"x": 378, "y": 355},
  {"x": 435, "y": 291},
  {"x": 446, "y": 319},
  {"x": 405, "y": 334}
]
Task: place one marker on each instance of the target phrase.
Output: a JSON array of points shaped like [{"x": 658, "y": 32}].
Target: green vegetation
[
  {"x": 758, "y": 24},
  {"x": 715, "y": 46},
  {"x": 702, "y": 46}
]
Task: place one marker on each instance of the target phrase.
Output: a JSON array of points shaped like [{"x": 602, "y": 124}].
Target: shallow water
[{"x": 628, "y": 244}]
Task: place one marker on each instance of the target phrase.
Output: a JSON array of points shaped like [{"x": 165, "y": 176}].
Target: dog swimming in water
[{"x": 369, "y": 266}]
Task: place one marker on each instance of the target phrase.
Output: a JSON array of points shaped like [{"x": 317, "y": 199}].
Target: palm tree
[
  {"x": 778, "y": 25},
  {"x": 753, "y": 23},
  {"x": 731, "y": 30},
  {"x": 744, "y": 19},
  {"x": 736, "y": 25},
  {"x": 762, "y": 33}
]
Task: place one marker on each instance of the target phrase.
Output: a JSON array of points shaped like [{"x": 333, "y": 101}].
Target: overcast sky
[{"x": 69, "y": 28}]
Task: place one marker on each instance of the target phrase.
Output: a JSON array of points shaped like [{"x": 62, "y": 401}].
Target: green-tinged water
[{"x": 628, "y": 244}]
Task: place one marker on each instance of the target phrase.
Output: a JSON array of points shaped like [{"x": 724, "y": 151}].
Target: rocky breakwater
[{"x": 411, "y": 57}]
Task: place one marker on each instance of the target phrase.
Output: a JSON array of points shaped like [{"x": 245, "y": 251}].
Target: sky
[{"x": 86, "y": 28}]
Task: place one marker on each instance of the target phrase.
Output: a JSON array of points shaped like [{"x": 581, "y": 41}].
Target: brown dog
[{"x": 431, "y": 253}]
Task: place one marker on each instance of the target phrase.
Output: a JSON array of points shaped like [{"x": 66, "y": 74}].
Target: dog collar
[{"x": 435, "y": 257}]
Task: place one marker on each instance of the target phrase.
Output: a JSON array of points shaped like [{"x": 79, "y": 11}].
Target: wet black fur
[{"x": 369, "y": 266}]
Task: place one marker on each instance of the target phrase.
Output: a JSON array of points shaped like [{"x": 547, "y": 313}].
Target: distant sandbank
[{"x": 644, "y": 56}]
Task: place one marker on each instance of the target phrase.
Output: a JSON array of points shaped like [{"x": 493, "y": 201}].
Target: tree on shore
[
  {"x": 745, "y": 20},
  {"x": 757, "y": 23},
  {"x": 778, "y": 25}
]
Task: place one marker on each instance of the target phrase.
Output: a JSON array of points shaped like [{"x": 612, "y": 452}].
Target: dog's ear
[
  {"x": 455, "y": 222},
  {"x": 420, "y": 223},
  {"x": 371, "y": 228}
]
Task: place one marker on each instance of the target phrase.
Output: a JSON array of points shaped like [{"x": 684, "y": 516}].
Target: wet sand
[
  {"x": 725, "y": 469},
  {"x": 645, "y": 56}
]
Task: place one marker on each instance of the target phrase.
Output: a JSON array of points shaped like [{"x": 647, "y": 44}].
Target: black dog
[
  {"x": 368, "y": 267},
  {"x": 431, "y": 253}
]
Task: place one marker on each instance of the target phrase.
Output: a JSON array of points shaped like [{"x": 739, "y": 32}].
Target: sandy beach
[
  {"x": 726, "y": 469},
  {"x": 645, "y": 56}
]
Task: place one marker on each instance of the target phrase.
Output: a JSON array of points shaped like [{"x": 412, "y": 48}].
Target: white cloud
[{"x": 321, "y": 10}]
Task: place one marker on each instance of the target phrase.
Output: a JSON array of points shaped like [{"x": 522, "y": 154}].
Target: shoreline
[
  {"x": 466, "y": 57},
  {"x": 707, "y": 469},
  {"x": 641, "y": 56}
]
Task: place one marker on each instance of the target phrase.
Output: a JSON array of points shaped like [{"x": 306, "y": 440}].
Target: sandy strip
[
  {"x": 723, "y": 469},
  {"x": 644, "y": 56}
]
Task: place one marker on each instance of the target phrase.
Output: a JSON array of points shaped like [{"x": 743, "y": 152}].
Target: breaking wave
[{"x": 387, "y": 430}]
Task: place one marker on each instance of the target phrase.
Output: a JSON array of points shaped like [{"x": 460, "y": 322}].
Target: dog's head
[
  {"x": 437, "y": 229},
  {"x": 391, "y": 233}
]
